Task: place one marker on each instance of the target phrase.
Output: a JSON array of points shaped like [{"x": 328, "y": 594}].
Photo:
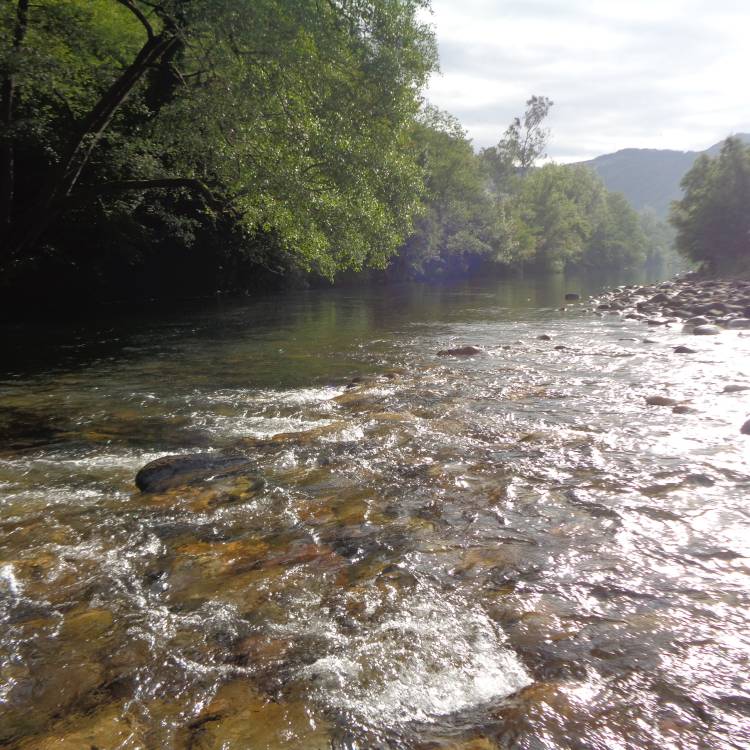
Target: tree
[
  {"x": 523, "y": 144},
  {"x": 567, "y": 218},
  {"x": 291, "y": 118},
  {"x": 713, "y": 218},
  {"x": 617, "y": 240},
  {"x": 550, "y": 205},
  {"x": 459, "y": 223}
]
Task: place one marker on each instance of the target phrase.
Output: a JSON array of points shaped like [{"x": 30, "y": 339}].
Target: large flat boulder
[{"x": 173, "y": 471}]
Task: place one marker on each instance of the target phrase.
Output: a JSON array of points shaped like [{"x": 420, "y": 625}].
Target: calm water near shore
[{"x": 511, "y": 550}]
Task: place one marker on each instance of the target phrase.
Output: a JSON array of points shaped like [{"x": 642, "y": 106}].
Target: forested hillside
[
  {"x": 169, "y": 149},
  {"x": 649, "y": 178}
]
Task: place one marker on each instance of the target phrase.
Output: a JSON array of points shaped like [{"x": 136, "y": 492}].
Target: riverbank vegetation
[
  {"x": 171, "y": 149},
  {"x": 713, "y": 218}
]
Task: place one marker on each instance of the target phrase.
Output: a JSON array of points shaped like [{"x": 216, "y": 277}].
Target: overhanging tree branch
[
  {"x": 139, "y": 15},
  {"x": 162, "y": 183},
  {"x": 7, "y": 110}
]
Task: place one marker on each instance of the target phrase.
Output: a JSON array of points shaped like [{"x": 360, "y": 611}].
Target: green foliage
[
  {"x": 713, "y": 218},
  {"x": 569, "y": 219},
  {"x": 522, "y": 145},
  {"x": 459, "y": 223},
  {"x": 550, "y": 203},
  {"x": 497, "y": 209},
  {"x": 144, "y": 138},
  {"x": 285, "y": 119},
  {"x": 660, "y": 243}
]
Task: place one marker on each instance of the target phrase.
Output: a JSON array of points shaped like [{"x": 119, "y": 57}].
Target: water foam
[{"x": 433, "y": 657}]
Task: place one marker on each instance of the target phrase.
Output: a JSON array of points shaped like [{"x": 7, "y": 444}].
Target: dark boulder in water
[
  {"x": 173, "y": 471},
  {"x": 745, "y": 429},
  {"x": 572, "y": 296},
  {"x": 461, "y": 351},
  {"x": 684, "y": 350}
]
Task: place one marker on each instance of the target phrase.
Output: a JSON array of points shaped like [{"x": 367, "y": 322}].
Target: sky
[{"x": 622, "y": 73}]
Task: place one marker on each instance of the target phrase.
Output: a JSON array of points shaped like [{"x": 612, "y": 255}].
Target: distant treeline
[{"x": 173, "y": 148}]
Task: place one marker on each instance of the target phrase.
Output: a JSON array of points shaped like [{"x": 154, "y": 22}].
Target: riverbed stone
[
  {"x": 735, "y": 388},
  {"x": 460, "y": 351},
  {"x": 172, "y": 471},
  {"x": 745, "y": 429},
  {"x": 684, "y": 350},
  {"x": 572, "y": 296},
  {"x": 110, "y": 727},
  {"x": 738, "y": 323},
  {"x": 684, "y": 409},
  {"x": 706, "y": 330},
  {"x": 661, "y": 297},
  {"x": 660, "y": 401},
  {"x": 239, "y": 718}
]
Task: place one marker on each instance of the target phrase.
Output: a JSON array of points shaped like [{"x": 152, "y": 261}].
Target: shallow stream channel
[{"x": 508, "y": 550}]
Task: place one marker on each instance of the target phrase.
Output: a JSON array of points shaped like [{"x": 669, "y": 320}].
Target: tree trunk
[{"x": 7, "y": 152}]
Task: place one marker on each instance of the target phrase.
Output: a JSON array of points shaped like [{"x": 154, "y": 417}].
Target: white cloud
[{"x": 635, "y": 73}]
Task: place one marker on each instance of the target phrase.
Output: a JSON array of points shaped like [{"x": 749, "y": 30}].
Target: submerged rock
[
  {"x": 239, "y": 718},
  {"x": 735, "y": 388},
  {"x": 683, "y": 409},
  {"x": 461, "y": 351},
  {"x": 660, "y": 401},
  {"x": 739, "y": 323},
  {"x": 684, "y": 350},
  {"x": 544, "y": 337},
  {"x": 572, "y": 296},
  {"x": 745, "y": 429},
  {"x": 173, "y": 471},
  {"x": 112, "y": 726}
]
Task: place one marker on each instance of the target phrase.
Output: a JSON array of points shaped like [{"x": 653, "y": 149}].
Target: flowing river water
[{"x": 511, "y": 550}]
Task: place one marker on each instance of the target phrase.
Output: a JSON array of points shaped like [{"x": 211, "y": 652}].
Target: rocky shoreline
[{"x": 703, "y": 306}]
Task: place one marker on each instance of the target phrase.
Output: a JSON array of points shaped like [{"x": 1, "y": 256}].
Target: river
[{"x": 511, "y": 550}]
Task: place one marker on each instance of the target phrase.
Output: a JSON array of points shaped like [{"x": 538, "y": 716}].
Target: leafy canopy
[{"x": 713, "y": 218}]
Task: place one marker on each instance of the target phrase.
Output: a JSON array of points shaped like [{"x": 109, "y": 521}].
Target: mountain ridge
[{"x": 649, "y": 177}]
